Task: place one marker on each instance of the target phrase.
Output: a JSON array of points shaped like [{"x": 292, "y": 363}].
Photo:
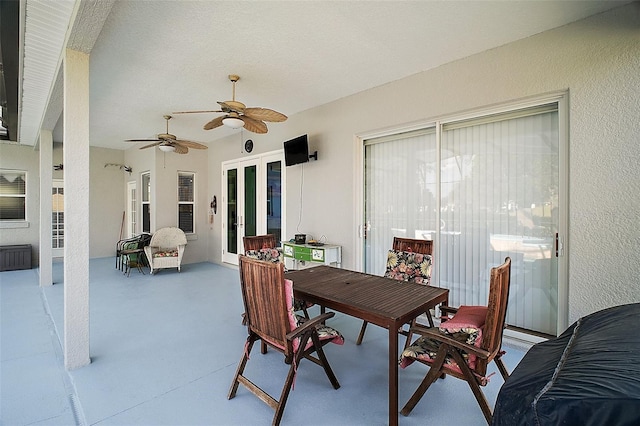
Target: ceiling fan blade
[
  {"x": 232, "y": 106},
  {"x": 143, "y": 140},
  {"x": 265, "y": 114},
  {"x": 216, "y": 122},
  {"x": 252, "y": 125},
  {"x": 179, "y": 149},
  {"x": 152, "y": 144},
  {"x": 195, "y": 112},
  {"x": 191, "y": 144}
]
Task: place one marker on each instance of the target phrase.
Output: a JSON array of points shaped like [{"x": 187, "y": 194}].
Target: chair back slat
[
  {"x": 258, "y": 242},
  {"x": 168, "y": 237},
  {"x": 496, "y": 313},
  {"x": 413, "y": 245},
  {"x": 144, "y": 240},
  {"x": 264, "y": 281}
]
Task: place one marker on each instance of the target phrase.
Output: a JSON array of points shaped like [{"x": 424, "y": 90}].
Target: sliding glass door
[{"x": 482, "y": 189}]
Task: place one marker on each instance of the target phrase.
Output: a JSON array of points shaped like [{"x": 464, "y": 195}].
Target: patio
[{"x": 164, "y": 349}]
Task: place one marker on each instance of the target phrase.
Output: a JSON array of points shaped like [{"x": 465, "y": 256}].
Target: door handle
[{"x": 559, "y": 245}]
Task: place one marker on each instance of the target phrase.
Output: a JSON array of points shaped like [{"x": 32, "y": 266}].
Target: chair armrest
[
  {"x": 419, "y": 329},
  {"x": 311, "y": 323},
  {"x": 448, "y": 310},
  {"x": 435, "y": 334}
]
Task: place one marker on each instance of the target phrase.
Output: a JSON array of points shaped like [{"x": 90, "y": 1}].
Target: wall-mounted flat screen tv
[{"x": 296, "y": 151}]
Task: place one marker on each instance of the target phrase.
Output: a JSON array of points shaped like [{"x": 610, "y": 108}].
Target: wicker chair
[
  {"x": 166, "y": 249},
  {"x": 404, "y": 245},
  {"x": 464, "y": 345},
  {"x": 268, "y": 299}
]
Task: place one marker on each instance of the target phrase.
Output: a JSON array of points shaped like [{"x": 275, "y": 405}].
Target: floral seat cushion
[
  {"x": 409, "y": 266},
  {"x": 465, "y": 326},
  {"x": 268, "y": 254},
  {"x": 166, "y": 253}
]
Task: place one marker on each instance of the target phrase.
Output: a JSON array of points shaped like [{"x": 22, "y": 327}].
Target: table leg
[{"x": 393, "y": 375}]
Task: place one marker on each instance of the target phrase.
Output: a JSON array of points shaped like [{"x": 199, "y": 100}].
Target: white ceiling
[{"x": 155, "y": 57}]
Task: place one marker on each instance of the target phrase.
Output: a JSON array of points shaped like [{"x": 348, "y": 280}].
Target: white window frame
[
  {"x": 17, "y": 223},
  {"x": 145, "y": 191},
  {"x": 57, "y": 251},
  {"x": 191, "y": 202}
]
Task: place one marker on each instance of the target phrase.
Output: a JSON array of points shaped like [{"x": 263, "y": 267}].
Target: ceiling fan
[
  {"x": 237, "y": 114},
  {"x": 170, "y": 143}
]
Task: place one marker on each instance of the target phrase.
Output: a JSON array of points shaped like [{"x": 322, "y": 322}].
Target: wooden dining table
[{"x": 378, "y": 300}]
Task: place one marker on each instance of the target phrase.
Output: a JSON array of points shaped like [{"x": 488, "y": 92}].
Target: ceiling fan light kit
[
  {"x": 170, "y": 143},
  {"x": 167, "y": 148},
  {"x": 233, "y": 122},
  {"x": 237, "y": 115}
]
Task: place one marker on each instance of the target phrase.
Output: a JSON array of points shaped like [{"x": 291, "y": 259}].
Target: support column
[
  {"x": 76, "y": 209},
  {"x": 46, "y": 182}
]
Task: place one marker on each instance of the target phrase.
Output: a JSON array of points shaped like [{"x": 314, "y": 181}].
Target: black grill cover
[{"x": 589, "y": 375}]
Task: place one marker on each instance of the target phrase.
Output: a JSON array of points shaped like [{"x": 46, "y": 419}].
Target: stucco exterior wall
[
  {"x": 16, "y": 157},
  {"x": 106, "y": 201},
  {"x": 597, "y": 60}
]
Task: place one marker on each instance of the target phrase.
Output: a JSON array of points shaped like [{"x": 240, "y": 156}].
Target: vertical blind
[{"x": 498, "y": 196}]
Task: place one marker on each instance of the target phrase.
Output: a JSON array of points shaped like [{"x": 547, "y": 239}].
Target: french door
[
  {"x": 482, "y": 188},
  {"x": 132, "y": 210},
  {"x": 253, "y": 203}
]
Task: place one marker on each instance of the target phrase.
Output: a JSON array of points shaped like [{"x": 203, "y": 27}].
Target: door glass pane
[
  {"x": 400, "y": 193},
  {"x": 132, "y": 211},
  {"x": 499, "y": 200},
  {"x": 250, "y": 214},
  {"x": 274, "y": 199},
  {"x": 232, "y": 203}
]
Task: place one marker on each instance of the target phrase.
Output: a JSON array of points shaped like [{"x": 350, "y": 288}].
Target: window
[
  {"x": 146, "y": 202},
  {"x": 13, "y": 195},
  {"x": 57, "y": 216},
  {"x": 186, "y": 201}
]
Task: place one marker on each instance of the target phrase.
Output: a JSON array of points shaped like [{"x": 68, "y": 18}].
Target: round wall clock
[{"x": 248, "y": 145}]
